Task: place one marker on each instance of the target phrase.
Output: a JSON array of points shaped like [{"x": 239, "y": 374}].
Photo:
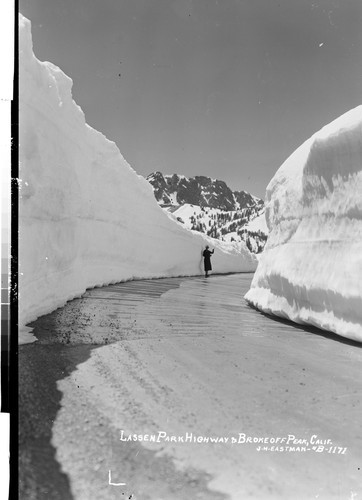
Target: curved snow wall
[
  {"x": 86, "y": 218},
  {"x": 311, "y": 268}
]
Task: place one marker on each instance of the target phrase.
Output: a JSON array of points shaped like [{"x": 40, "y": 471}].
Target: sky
[{"x": 222, "y": 88}]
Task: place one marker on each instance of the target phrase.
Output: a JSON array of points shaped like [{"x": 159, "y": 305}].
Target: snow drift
[
  {"x": 86, "y": 218},
  {"x": 311, "y": 268}
]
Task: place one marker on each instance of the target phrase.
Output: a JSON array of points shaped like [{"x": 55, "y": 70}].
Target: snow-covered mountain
[
  {"x": 311, "y": 268},
  {"x": 78, "y": 221},
  {"x": 199, "y": 190},
  {"x": 209, "y": 206}
]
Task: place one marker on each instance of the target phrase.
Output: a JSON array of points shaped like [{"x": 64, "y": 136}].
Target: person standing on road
[{"x": 207, "y": 260}]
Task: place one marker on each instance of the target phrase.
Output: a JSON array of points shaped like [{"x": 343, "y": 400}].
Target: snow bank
[
  {"x": 311, "y": 268},
  {"x": 86, "y": 218}
]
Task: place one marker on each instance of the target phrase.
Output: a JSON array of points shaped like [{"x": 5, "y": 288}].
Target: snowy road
[{"x": 182, "y": 361}]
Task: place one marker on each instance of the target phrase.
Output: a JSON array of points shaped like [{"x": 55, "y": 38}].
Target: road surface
[{"x": 176, "y": 389}]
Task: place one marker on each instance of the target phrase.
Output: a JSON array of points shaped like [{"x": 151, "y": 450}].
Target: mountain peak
[
  {"x": 211, "y": 207},
  {"x": 200, "y": 190}
]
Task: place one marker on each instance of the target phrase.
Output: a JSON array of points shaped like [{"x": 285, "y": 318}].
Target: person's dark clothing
[{"x": 207, "y": 262}]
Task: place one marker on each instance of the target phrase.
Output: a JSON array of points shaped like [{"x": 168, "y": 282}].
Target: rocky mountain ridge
[
  {"x": 199, "y": 190},
  {"x": 211, "y": 207}
]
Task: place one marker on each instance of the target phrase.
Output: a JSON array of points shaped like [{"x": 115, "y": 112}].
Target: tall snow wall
[
  {"x": 86, "y": 218},
  {"x": 311, "y": 267}
]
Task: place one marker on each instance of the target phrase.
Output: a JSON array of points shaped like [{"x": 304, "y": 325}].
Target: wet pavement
[{"x": 180, "y": 390}]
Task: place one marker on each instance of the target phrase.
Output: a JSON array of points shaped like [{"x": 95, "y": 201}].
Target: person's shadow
[{"x": 201, "y": 265}]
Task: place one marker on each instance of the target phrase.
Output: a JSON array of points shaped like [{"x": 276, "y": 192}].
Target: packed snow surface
[
  {"x": 86, "y": 218},
  {"x": 311, "y": 268}
]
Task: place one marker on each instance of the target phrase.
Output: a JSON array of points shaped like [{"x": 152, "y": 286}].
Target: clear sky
[{"x": 226, "y": 88}]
